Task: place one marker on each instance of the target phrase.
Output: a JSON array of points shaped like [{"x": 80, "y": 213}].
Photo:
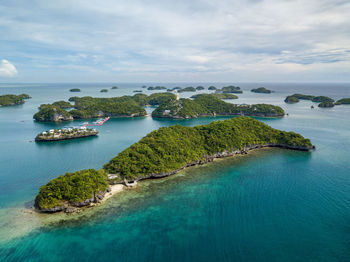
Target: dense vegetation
[
  {"x": 11, "y": 100},
  {"x": 60, "y": 104},
  {"x": 261, "y": 90},
  {"x": 231, "y": 89},
  {"x": 159, "y": 98},
  {"x": 187, "y": 89},
  {"x": 90, "y": 107},
  {"x": 291, "y": 99},
  {"x": 75, "y": 90},
  {"x": 71, "y": 188},
  {"x": 156, "y": 88},
  {"x": 171, "y": 148},
  {"x": 207, "y": 104},
  {"x": 52, "y": 113},
  {"x": 164, "y": 151},
  {"x": 218, "y": 95},
  {"x": 174, "y": 88},
  {"x": 297, "y": 97},
  {"x": 322, "y": 99},
  {"x": 326, "y": 104},
  {"x": 343, "y": 101}
]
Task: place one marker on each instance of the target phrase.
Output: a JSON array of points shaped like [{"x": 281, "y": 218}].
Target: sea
[{"x": 269, "y": 205}]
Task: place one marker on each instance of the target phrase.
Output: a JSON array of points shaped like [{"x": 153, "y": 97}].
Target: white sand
[{"x": 114, "y": 189}]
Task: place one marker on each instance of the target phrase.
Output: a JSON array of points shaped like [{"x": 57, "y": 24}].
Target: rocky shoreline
[
  {"x": 119, "y": 185},
  {"x": 225, "y": 154}
]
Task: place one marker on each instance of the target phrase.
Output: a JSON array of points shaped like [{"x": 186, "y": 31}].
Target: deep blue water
[{"x": 272, "y": 205}]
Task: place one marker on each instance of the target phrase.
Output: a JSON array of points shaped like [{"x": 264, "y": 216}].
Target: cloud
[
  {"x": 7, "y": 69},
  {"x": 179, "y": 38}
]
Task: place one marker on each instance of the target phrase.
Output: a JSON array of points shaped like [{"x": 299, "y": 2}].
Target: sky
[{"x": 175, "y": 41}]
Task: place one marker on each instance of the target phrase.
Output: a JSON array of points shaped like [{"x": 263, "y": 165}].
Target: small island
[
  {"x": 212, "y": 88},
  {"x": 104, "y": 90},
  {"x": 199, "y": 88},
  {"x": 13, "y": 100},
  {"x": 321, "y": 99},
  {"x": 209, "y": 105},
  {"x": 343, "y": 101},
  {"x": 230, "y": 89},
  {"x": 114, "y": 87},
  {"x": 182, "y": 147},
  {"x": 261, "y": 90},
  {"x": 297, "y": 97},
  {"x": 75, "y": 90},
  {"x": 174, "y": 88},
  {"x": 326, "y": 104},
  {"x": 65, "y": 133},
  {"x": 187, "y": 89},
  {"x": 137, "y": 91},
  {"x": 151, "y": 88}
]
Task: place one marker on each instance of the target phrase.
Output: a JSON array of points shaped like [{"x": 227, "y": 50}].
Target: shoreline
[
  {"x": 120, "y": 186},
  {"x": 225, "y": 154}
]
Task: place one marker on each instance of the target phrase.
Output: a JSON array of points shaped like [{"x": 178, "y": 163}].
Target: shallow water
[{"x": 272, "y": 205}]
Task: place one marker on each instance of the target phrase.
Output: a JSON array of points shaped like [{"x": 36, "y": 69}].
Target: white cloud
[
  {"x": 188, "y": 37},
  {"x": 7, "y": 69}
]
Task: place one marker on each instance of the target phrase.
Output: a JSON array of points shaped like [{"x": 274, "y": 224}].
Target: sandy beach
[{"x": 114, "y": 189}]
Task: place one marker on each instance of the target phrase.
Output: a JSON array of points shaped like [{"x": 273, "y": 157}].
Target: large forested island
[
  {"x": 262, "y": 90},
  {"x": 12, "y": 100},
  {"x": 164, "y": 152},
  {"x": 90, "y": 107},
  {"x": 210, "y": 105},
  {"x": 218, "y": 95}
]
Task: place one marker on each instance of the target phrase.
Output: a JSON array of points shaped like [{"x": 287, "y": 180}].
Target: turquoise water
[{"x": 272, "y": 205}]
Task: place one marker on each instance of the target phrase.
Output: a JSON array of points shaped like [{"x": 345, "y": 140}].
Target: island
[
  {"x": 156, "y": 88},
  {"x": 343, "y": 101},
  {"x": 12, "y": 100},
  {"x": 212, "y": 88},
  {"x": 218, "y": 95},
  {"x": 174, "y": 88},
  {"x": 187, "y": 89},
  {"x": 51, "y": 113},
  {"x": 104, "y": 90},
  {"x": 162, "y": 153},
  {"x": 90, "y": 107},
  {"x": 297, "y": 97},
  {"x": 114, "y": 87},
  {"x": 261, "y": 90},
  {"x": 230, "y": 89},
  {"x": 137, "y": 91},
  {"x": 326, "y": 104},
  {"x": 65, "y": 133},
  {"x": 75, "y": 90},
  {"x": 199, "y": 88},
  {"x": 209, "y": 105},
  {"x": 61, "y": 104}
]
